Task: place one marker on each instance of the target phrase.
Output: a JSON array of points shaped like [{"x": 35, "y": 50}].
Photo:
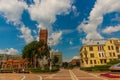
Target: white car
[{"x": 115, "y": 68}]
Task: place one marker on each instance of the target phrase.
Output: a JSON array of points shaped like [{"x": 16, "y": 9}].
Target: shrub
[
  {"x": 97, "y": 68},
  {"x": 6, "y": 71},
  {"x": 39, "y": 70},
  {"x": 113, "y": 62},
  {"x": 34, "y": 70},
  {"x": 55, "y": 69}
]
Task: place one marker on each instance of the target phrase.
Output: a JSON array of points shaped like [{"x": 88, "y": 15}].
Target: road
[
  {"x": 63, "y": 74},
  {"x": 74, "y": 74}
]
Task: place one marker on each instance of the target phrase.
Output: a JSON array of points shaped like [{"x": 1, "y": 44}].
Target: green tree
[
  {"x": 55, "y": 60},
  {"x": 32, "y": 52},
  {"x": 65, "y": 64}
]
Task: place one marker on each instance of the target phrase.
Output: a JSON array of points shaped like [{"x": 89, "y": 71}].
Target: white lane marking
[
  {"x": 40, "y": 77},
  {"x": 23, "y": 77},
  {"x": 73, "y": 76},
  {"x": 95, "y": 75},
  {"x": 51, "y": 76}
]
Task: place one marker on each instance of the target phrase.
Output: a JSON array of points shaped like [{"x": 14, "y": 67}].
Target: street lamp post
[
  {"x": 51, "y": 55},
  {"x": 50, "y": 60}
]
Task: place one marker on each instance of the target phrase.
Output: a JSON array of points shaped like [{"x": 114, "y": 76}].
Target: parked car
[{"x": 115, "y": 68}]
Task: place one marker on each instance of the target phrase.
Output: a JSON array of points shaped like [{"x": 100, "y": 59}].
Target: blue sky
[{"x": 69, "y": 23}]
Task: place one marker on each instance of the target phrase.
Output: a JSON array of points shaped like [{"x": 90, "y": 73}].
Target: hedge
[
  {"x": 6, "y": 71},
  {"x": 39, "y": 70},
  {"x": 97, "y": 68}
]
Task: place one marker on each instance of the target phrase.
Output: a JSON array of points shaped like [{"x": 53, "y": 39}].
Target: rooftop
[{"x": 94, "y": 42}]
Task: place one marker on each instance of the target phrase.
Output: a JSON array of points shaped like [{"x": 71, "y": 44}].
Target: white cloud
[
  {"x": 111, "y": 29},
  {"x": 12, "y": 10},
  {"x": 45, "y": 12},
  {"x": 101, "y": 8},
  {"x": 55, "y": 38},
  {"x": 42, "y": 11},
  {"x": 26, "y": 34},
  {"x": 74, "y": 47},
  {"x": 75, "y": 57},
  {"x": 10, "y": 51},
  {"x": 76, "y": 13},
  {"x": 71, "y": 43}
]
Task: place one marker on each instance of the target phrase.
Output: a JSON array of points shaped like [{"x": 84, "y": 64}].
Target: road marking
[
  {"x": 51, "y": 76},
  {"x": 40, "y": 77},
  {"x": 23, "y": 77},
  {"x": 95, "y": 75},
  {"x": 73, "y": 76}
]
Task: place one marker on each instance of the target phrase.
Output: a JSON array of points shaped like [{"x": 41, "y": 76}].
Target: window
[
  {"x": 115, "y": 41},
  {"x": 110, "y": 41},
  {"x": 118, "y": 56},
  {"x": 8, "y": 66},
  {"x": 110, "y": 54},
  {"x": 97, "y": 42},
  {"x": 113, "y": 54},
  {"x": 118, "y": 65},
  {"x": 117, "y": 49},
  {"x": 91, "y": 62},
  {"x": 15, "y": 66},
  {"x": 86, "y": 61},
  {"x": 104, "y": 61},
  {"x": 112, "y": 48},
  {"x": 94, "y": 61},
  {"x": 91, "y": 48},
  {"x": 82, "y": 61},
  {"x": 100, "y": 48},
  {"x": 92, "y": 55},
  {"x": 108, "y": 47},
  {"x": 101, "y": 61},
  {"x": 102, "y": 54},
  {"x": 85, "y": 55},
  {"x": 99, "y": 55}
]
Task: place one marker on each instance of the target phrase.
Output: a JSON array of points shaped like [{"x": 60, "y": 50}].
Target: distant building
[
  {"x": 99, "y": 52},
  {"x": 43, "y": 35},
  {"x": 59, "y": 55},
  {"x": 75, "y": 61},
  {"x": 11, "y": 62},
  {"x": 14, "y": 64}
]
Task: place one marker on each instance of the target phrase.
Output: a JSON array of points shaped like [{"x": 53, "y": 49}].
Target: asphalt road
[
  {"x": 63, "y": 74},
  {"x": 74, "y": 74}
]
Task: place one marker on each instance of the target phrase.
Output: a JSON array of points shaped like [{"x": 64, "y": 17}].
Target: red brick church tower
[{"x": 43, "y": 35}]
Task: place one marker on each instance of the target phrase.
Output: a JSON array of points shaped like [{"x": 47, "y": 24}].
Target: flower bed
[{"x": 109, "y": 75}]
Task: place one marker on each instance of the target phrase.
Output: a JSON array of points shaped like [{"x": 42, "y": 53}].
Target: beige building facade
[
  {"x": 99, "y": 52},
  {"x": 59, "y": 55}
]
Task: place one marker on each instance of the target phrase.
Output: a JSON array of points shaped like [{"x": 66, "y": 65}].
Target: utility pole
[{"x": 50, "y": 60}]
